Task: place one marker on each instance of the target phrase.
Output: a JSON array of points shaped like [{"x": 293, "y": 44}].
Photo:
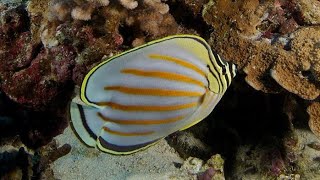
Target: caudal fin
[
  {"x": 87, "y": 129},
  {"x": 91, "y": 129}
]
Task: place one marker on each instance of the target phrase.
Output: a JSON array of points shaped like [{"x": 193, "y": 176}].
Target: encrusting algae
[{"x": 48, "y": 46}]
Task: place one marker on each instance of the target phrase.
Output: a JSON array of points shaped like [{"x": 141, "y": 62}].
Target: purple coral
[{"x": 207, "y": 175}]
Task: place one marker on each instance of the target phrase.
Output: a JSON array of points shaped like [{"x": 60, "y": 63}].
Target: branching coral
[
  {"x": 129, "y": 4},
  {"x": 82, "y": 10},
  {"x": 59, "y": 10},
  {"x": 157, "y": 5}
]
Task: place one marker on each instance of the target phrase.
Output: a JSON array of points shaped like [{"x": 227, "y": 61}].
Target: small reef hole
[{"x": 184, "y": 15}]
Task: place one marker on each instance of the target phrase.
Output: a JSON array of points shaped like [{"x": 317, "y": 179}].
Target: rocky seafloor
[{"x": 267, "y": 126}]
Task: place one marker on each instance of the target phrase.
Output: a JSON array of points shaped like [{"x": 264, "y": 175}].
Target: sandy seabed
[{"x": 89, "y": 163}]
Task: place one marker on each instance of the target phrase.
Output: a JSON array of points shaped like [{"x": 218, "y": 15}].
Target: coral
[
  {"x": 83, "y": 10},
  {"x": 272, "y": 43},
  {"x": 186, "y": 144},
  {"x": 214, "y": 169},
  {"x": 25, "y": 61},
  {"x": 303, "y": 154},
  {"x": 9, "y": 161},
  {"x": 82, "y": 13},
  {"x": 192, "y": 165},
  {"x": 263, "y": 160},
  {"x": 22, "y": 164},
  {"x": 31, "y": 126},
  {"x": 129, "y": 4},
  {"x": 253, "y": 41},
  {"x": 46, "y": 50},
  {"x": 38, "y": 78},
  {"x": 59, "y": 10},
  {"x": 194, "y": 6},
  {"x": 314, "y": 121},
  {"x": 100, "y": 2},
  {"x": 233, "y": 35},
  {"x": 310, "y": 11},
  {"x": 299, "y": 72},
  {"x": 46, "y": 156},
  {"x": 162, "y": 8}
]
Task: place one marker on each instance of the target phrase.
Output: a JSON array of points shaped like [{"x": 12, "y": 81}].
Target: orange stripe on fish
[
  {"x": 120, "y": 133},
  {"x": 163, "y": 75},
  {"x": 181, "y": 62},
  {"x": 153, "y": 91},
  {"x": 147, "y": 108},
  {"x": 141, "y": 122}
]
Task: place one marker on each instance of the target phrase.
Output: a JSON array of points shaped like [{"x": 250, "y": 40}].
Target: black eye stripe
[
  {"x": 231, "y": 71},
  {"x": 224, "y": 71}
]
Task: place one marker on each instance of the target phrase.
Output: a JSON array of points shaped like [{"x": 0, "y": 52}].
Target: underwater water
[{"x": 107, "y": 89}]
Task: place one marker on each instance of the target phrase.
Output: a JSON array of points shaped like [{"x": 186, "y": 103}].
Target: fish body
[{"x": 142, "y": 95}]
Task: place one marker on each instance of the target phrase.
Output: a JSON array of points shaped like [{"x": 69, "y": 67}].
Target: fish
[{"x": 132, "y": 100}]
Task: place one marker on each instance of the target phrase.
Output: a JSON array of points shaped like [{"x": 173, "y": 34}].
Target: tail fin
[
  {"x": 87, "y": 131},
  {"x": 89, "y": 128}
]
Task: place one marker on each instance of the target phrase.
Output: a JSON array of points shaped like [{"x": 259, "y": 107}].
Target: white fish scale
[
  {"x": 166, "y": 66},
  {"x": 129, "y": 99},
  {"x": 97, "y": 93},
  {"x": 132, "y": 140},
  {"x": 140, "y": 115},
  {"x": 95, "y": 125},
  {"x": 113, "y": 77},
  {"x": 175, "y": 51}
]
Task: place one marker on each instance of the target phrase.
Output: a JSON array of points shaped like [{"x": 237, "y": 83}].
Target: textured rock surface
[{"x": 314, "y": 121}]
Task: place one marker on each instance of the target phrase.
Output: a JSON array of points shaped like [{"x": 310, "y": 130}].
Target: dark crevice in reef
[
  {"x": 244, "y": 116},
  {"x": 300, "y": 116},
  {"x": 35, "y": 128},
  {"x": 36, "y": 50},
  {"x": 9, "y": 121},
  {"x": 11, "y": 160},
  {"x": 17, "y": 21},
  {"x": 128, "y": 34},
  {"x": 33, "y": 166},
  {"x": 185, "y": 16}
]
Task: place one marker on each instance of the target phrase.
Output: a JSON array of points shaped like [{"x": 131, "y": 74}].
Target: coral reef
[
  {"x": 47, "y": 47},
  {"x": 213, "y": 169},
  {"x": 11, "y": 160},
  {"x": 188, "y": 145},
  {"x": 314, "y": 121},
  {"x": 275, "y": 43},
  {"x": 263, "y": 38},
  {"x": 21, "y": 164}
]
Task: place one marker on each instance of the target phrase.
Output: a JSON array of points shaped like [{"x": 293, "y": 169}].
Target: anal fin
[{"x": 105, "y": 146}]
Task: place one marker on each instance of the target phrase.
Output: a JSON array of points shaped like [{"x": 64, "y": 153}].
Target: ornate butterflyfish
[{"x": 134, "y": 99}]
